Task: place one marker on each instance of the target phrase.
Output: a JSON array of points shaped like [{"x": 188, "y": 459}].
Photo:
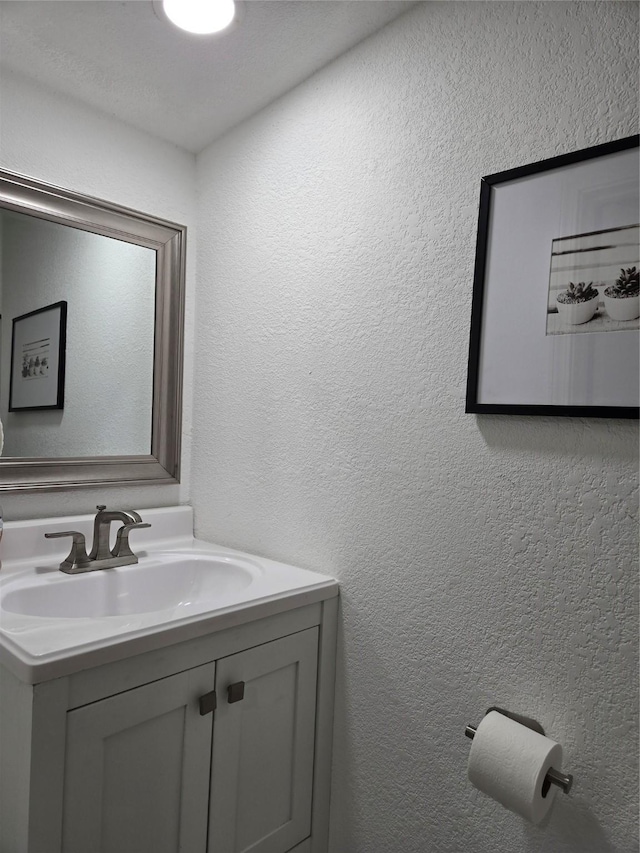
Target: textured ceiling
[{"x": 128, "y": 61}]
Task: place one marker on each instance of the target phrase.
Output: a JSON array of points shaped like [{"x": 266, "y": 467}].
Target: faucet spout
[{"x": 102, "y": 528}]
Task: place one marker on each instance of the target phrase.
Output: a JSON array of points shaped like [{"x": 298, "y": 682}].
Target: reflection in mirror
[
  {"x": 109, "y": 289},
  {"x": 91, "y": 340}
]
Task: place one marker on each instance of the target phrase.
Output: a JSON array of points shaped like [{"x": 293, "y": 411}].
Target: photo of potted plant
[
  {"x": 578, "y": 303},
  {"x": 621, "y": 299}
]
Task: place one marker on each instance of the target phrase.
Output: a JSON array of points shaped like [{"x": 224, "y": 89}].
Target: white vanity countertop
[{"x": 240, "y": 588}]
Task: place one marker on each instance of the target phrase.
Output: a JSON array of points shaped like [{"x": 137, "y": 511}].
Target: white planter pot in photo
[
  {"x": 622, "y": 308},
  {"x": 576, "y": 313}
]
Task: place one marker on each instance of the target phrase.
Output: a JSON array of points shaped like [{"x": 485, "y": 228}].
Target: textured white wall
[
  {"x": 482, "y": 559},
  {"x": 109, "y": 287},
  {"x": 62, "y": 142}
]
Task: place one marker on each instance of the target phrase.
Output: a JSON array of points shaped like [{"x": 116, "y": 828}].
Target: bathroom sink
[
  {"x": 54, "y": 624},
  {"x": 174, "y": 581}
]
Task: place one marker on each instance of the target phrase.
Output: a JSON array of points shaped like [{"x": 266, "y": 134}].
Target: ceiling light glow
[{"x": 200, "y": 16}]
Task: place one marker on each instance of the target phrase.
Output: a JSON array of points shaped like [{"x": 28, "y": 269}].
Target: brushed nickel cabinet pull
[
  {"x": 235, "y": 692},
  {"x": 208, "y": 703}
]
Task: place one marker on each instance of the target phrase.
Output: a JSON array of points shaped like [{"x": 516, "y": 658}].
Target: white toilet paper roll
[{"x": 508, "y": 762}]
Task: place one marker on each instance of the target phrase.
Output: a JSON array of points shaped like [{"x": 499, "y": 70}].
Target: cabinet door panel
[
  {"x": 263, "y": 745},
  {"x": 137, "y": 770}
]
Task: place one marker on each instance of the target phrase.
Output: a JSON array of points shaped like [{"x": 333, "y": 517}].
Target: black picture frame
[
  {"x": 491, "y": 249},
  {"x": 38, "y": 335}
]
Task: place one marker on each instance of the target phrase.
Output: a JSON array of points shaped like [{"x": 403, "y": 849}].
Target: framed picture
[
  {"x": 38, "y": 347},
  {"x": 555, "y": 312}
]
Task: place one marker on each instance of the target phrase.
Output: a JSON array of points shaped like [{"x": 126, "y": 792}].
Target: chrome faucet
[{"x": 101, "y": 555}]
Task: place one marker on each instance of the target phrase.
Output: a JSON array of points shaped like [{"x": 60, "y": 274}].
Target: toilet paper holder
[{"x": 553, "y": 777}]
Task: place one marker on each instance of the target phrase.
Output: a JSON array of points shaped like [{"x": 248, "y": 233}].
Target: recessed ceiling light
[{"x": 200, "y": 16}]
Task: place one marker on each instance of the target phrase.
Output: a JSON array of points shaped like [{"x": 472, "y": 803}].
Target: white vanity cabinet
[
  {"x": 262, "y": 759},
  {"x": 127, "y": 760},
  {"x": 131, "y": 757}
]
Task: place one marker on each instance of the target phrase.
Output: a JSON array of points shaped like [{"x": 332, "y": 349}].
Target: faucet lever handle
[
  {"x": 77, "y": 557},
  {"x": 78, "y": 538},
  {"x": 122, "y": 547}
]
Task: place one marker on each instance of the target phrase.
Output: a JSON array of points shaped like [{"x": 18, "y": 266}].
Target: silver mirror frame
[{"x": 25, "y": 195}]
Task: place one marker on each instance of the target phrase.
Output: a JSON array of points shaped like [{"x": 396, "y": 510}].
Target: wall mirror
[{"x": 91, "y": 340}]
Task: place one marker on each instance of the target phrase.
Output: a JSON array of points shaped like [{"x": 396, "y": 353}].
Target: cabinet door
[
  {"x": 137, "y": 769},
  {"x": 263, "y": 745}
]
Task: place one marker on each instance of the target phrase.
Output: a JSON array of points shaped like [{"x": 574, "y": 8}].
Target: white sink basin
[
  {"x": 53, "y": 624},
  {"x": 169, "y": 581}
]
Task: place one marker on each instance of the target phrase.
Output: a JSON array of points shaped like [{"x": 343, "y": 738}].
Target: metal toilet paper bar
[{"x": 553, "y": 777}]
